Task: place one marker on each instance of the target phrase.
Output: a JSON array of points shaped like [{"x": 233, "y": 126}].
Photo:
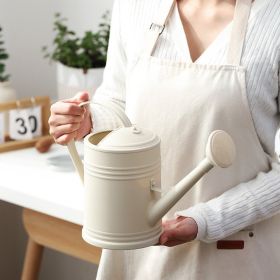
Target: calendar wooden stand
[{"x": 44, "y": 102}]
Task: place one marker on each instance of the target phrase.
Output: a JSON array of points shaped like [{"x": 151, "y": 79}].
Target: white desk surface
[{"x": 28, "y": 180}]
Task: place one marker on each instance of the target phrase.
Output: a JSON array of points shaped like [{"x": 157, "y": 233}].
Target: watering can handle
[
  {"x": 76, "y": 159},
  {"x": 71, "y": 145}
]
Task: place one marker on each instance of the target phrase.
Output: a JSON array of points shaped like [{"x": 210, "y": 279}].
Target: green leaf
[
  {"x": 2, "y": 68},
  {"x": 4, "y": 56},
  {"x": 86, "y": 52}
]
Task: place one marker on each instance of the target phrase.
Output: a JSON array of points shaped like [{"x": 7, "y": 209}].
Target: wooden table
[{"x": 53, "y": 205}]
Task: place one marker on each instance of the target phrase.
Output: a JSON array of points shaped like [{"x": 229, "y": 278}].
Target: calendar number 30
[{"x": 33, "y": 123}]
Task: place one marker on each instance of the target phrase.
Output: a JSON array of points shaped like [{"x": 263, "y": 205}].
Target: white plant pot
[
  {"x": 7, "y": 93},
  {"x": 72, "y": 80}
]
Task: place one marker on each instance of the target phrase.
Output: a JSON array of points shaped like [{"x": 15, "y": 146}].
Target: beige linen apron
[{"x": 183, "y": 103}]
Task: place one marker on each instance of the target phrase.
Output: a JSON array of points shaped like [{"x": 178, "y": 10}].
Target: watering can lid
[{"x": 129, "y": 138}]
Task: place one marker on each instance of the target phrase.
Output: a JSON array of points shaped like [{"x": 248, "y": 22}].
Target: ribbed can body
[{"x": 118, "y": 196}]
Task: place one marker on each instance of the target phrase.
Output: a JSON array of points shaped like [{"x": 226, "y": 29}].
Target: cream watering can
[{"x": 122, "y": 179}]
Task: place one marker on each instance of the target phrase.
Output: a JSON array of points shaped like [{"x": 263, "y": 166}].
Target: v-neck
[
  {"x": 220, "y": 41},
  {"x": 214, "y": 42}
]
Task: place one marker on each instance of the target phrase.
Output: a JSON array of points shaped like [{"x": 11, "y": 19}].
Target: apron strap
[
  {"x": 238, "y": 33},
  {"x": 157, "y": 26},
  {"x": 239, "y": 28}
]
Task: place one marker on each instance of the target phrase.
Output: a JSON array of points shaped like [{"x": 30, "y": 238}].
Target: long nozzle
[{"x": 220, "y": 151}]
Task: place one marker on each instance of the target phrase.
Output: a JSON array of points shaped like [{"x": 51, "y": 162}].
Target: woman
[{"x": 183, "y": 69}]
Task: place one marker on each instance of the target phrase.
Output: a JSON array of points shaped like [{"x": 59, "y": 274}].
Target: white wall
[{"x": 27, "y": 27}]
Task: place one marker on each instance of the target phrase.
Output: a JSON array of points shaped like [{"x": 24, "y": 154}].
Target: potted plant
[
  {"x": 80, "y": 61},
  {"x": 6, "y": 92}
]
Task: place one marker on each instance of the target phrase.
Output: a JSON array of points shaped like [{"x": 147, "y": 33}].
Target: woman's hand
[
  {"x": 178, "y": 231},
  {"x": 69, "y": 121}
]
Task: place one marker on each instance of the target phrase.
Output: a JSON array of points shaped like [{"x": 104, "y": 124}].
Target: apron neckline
[
  {"x": 239, "y": 26},
  {"x": 187, "y": 64}
]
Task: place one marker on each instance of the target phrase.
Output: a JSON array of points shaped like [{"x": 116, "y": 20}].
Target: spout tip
[{"x": 221, "y": 149}]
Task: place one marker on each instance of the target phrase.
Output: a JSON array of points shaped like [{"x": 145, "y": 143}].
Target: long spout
[
  {"x": 220, "y": 151},
  {"x": 178, "y": 191}
]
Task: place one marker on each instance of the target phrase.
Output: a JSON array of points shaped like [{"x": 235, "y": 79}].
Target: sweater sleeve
[
  {"x": 243, "y": 205},
  {"x": 238, "y": 208},
  {"x": 112, "y": 88}
]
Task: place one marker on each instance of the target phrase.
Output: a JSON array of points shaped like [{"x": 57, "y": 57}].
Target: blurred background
[{"x": 27, "y": 26}]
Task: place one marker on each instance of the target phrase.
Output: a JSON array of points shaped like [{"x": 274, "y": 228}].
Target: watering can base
[{"x": 126, "y": 242}]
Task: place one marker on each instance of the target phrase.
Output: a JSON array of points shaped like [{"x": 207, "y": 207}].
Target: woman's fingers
[
  {"x": 80, "y": 97},
  {"x": 65, "y": 118},
  {"x": 58, "y": 131},
  {"x": 65, "y": 108},
  {"x": 66, "y": 138},
  {"x": 68, "y": 120},
  {"x": 178, "y": 231},
  {"x": 172, "y": 243},
  {"x": 56, "y": 120}
]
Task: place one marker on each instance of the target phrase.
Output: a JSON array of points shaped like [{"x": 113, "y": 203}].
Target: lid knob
[{"x": 136, "y": 130}]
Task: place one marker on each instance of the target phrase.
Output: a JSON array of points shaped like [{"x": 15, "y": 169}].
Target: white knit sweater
[{"x": 261, "y": 56}]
